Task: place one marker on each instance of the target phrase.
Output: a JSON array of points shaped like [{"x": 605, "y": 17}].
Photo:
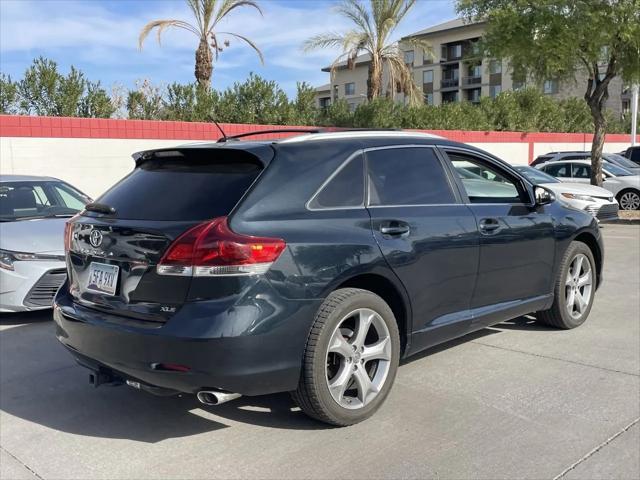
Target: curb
[{"x": 623, "y": 221}]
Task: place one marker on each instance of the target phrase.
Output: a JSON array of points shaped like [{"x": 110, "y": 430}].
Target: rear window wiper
[{"x": 100, "y": 208}]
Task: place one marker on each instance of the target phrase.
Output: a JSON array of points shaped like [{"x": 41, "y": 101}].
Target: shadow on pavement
[
  {"x": 20, "y": 318},
  {"x": 40, "y": 383}
]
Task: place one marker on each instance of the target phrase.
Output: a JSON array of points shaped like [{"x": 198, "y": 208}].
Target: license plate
[{"x": 103, "y": 278}]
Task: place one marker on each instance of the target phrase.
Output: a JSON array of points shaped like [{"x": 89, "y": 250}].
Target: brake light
[{"x": 212, "y": 249}]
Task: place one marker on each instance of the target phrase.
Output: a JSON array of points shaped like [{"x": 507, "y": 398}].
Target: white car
[
  {"x": 596, "y": 200},
  {"x": 624, "y": 185},
  {"x": 33, "y": 211}
]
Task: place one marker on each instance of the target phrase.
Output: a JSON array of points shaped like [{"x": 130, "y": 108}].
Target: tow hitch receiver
[{"x": 103, "y": 377}]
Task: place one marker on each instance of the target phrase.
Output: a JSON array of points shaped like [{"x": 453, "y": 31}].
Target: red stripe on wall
[{"x": 66, "y": 127}]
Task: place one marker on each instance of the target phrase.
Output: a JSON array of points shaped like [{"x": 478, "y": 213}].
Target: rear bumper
[{"x": 254, "y": 347}]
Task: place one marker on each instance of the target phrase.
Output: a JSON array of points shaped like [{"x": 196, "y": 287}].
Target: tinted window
[
  {"x": 407, "y": 176},
  {"x": 634, "y": 154},
  {"x": 536, "y": 176},
  {"x": 200, "y": 185},
  {"x": 559, "y": 170},
  {"x": 620, "y": 160},
  {"x": 345, "y": 189},
  {"x": 38, "y": 199},
  {"x": 581, "y": 171},
  {"x": 482, "y": 182},
  {"x": 577, "y": 157}
]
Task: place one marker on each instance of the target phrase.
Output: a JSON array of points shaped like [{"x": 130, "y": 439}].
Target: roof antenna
[{"x": 224, "y": 135}]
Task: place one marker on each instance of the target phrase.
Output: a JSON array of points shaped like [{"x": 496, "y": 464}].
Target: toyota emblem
[{"x": 95, "y": 238}]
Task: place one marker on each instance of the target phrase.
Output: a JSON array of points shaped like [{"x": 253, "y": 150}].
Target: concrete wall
[{"x": 94, "y": 154}]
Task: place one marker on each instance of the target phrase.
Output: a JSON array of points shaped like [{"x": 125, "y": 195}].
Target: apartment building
[{"x": 454, "y": 70}]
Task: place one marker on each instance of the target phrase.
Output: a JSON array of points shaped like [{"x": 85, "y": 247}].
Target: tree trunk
[
  {"x": 204, "y": 64},
  {"x": 374, "y": 80},
  {"x": 600, "y": 130}
]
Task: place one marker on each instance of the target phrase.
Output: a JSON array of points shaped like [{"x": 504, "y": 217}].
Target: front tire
[
  {"x": 351, "y": 358},
  {"x": 574, "y": 289}
]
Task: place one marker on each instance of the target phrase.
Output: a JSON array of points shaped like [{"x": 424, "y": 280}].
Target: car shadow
[
  {"x": 526, "y": 322},
  {"x": 20, "y": 318},
  {"x": 40, "y": 383}
]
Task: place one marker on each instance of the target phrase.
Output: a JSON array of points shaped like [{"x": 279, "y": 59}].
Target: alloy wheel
[
  {"x": 358, "y": 358},
  {"x": 630, "y": 201},
  {"x": 578, "y": 286}
]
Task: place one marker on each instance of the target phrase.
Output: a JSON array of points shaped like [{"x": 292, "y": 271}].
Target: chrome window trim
[{"x": 331, "y": 177}]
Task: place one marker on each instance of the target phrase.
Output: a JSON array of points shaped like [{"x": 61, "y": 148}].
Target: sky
[{"x": 100, "y": 38}]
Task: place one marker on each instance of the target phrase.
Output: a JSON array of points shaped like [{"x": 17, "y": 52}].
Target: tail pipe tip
[{"x": 211, "y": 397}]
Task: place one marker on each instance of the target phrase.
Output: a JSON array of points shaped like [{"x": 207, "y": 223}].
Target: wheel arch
[{"x": 392, "y": 292}]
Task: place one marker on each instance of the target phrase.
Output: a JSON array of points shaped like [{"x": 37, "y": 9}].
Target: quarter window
[
  {"x": 484, "y": 183},
  {"x": 345, "y": 189},
  {"x": 407, "y": 176}
]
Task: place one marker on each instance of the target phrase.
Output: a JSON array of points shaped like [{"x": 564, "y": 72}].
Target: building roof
[
  {"x": 323, "y": 88},
  {"x": 442, "y": 27},
  {"x": 360, "y": 60}
]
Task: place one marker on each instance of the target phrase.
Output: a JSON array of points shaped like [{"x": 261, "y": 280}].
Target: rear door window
[
  {"x": 558, "y": 170},
  {"x": 407, "y": 176},
  {"x": 580, "y": 171},
  {"x": 188, "y": 185}
]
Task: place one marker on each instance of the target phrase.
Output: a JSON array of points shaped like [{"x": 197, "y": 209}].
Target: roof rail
[{"x": 273, "y": 130}]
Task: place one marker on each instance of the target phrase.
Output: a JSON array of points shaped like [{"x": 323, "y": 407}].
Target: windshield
[
  {"x": 617, "y": 171},
  {"x": 39, "y": 199},
  {"x": 620, "y": 160},
  {"x": 536, "y": 176}
]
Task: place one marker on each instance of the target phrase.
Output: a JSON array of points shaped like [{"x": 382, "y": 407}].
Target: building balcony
[
  {"x": 471, "y": 81},
  {"x": 449, "y": 83}
]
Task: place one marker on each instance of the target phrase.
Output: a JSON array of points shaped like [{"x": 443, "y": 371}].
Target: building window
[
  {"x": 457, "y": 51},
  {"x": 474, "y": 95},
  {"x": 335, "y": 92},
  {"x": 408, "y": 57},
  {"x": 427, "y": 57},
  {"x": 495, "y": 90},
  {"x": 350, "y": 88},
  {"x": 325, "y": 102},
  {"x": 550, "y": 86},
  {"x": 495, "y": 66},
  {"x": 428, "y": 98},
  {"x": 427, "y": 76},
  {"x": 449, "y": 97},
  {"x": 475, "y": 48},
  {"x": 352, "y": 107}
]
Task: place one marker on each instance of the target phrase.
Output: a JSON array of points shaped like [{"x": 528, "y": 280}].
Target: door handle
[
  {"x": 395, "y": 229},
  {"x": 489, "y": 225}
]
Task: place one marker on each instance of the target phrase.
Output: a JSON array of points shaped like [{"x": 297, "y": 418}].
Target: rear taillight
[{"x": 212, "y": 249}]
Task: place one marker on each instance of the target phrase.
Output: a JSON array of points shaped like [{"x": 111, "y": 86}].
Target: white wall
[{"x": 93, "y": 165}]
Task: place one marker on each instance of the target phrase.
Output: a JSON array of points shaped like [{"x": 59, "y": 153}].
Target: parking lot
[{"x": 515, "y": 401}]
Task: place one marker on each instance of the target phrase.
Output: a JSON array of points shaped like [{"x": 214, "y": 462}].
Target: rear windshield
[{"x": 196, "y": 185}]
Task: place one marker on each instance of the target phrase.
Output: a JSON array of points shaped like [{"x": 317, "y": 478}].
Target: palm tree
[
  {"x": 208, "y": 14},
  {"x": 374, "y": 25}
]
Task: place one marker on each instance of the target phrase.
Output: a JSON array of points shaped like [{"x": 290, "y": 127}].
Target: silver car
[
  {"x": 596, "y": 200},
  {"x": 624, "y": 184},
  {"x": 33, "y": 211}
]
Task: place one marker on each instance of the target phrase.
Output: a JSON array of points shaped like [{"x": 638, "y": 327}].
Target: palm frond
[
  {"x": 229, "y": 5},
  {"x": 247, "y": 41},
  {"x": 195, "y": 7},
  {"x": 161, "y": 26}
]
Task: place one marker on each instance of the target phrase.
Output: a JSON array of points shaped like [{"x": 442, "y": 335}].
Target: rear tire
[
  {"x": 574, "y": 289},
  {"x": 351, "y": 358}
]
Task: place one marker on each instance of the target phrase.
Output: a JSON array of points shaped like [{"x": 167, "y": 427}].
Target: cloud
[{"x": 100, "y": 37}]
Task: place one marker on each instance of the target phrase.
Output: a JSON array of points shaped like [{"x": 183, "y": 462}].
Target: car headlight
[
  {"x": 574, "y": 196},
  {"x": 8, "y": 258}
]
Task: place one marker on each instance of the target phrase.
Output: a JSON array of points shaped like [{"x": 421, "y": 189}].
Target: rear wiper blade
[{"x": 100, "y": 208}]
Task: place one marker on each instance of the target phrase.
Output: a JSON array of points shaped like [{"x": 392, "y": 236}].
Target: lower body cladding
[
  {"x": 31, "y": 285},
  {"x": 215, "y": 352}
]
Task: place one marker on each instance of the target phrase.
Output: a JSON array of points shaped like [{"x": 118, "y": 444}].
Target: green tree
[
  {"x": 374, "y": 25},
  {"x": 8, "y": 95},
  {"x": 146, "y": 102},
  {"x": 567, "y": 40},
  {"x": 207, "y": 15}
]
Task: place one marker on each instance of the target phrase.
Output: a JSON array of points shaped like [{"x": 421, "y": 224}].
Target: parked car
[
  {"x": 312, "y": 264},
  {"x": 33, "y": 211},
  {"x": 613, "y": 158},
  {"x": 598, "y": 201},
  {"x": 624, "y": 184},
  {"x": 633, "y": 154}
]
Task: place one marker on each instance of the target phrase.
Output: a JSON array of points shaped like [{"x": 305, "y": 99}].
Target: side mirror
[{"x": 542, "y": 196}]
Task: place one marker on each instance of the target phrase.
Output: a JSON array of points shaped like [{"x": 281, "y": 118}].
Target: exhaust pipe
[{"x": 210, "y": 397}]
